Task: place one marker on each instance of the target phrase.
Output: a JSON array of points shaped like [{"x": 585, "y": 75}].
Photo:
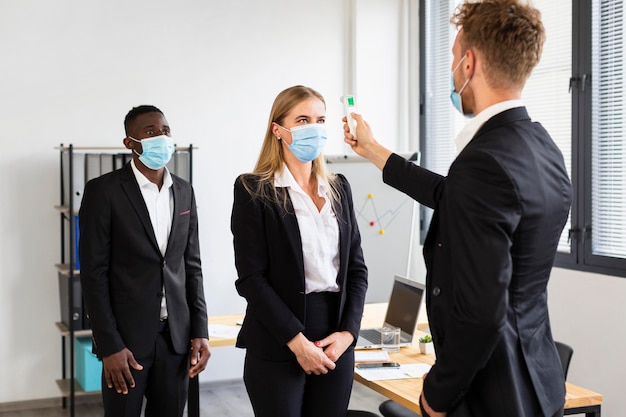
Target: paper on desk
[
  {"x": 223, "y": 331},
  {"x": 413, "y": 370},
  {"x": 371, "y": 356}
]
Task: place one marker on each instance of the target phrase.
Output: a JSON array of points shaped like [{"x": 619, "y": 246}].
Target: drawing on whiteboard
[{"x": 370, "y": 215}]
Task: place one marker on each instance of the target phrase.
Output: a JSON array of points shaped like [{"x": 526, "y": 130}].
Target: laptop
[{"x": 402, "y": 311}]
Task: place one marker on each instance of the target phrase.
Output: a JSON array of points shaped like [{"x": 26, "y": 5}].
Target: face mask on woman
[{"x": 307, "y": 141}]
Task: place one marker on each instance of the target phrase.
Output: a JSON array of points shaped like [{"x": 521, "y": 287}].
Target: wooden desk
[
  {"x": 226, "y": 320},
  {"x": 372, "y": 317},
  {"x": 406, "y": 392},
  {"x": 578, "y": 400}
]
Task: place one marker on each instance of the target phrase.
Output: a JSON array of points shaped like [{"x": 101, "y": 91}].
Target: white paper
[
  {"x": 413, "y": 370},
  {"x": 223, "y": 331},
  {"x": 371, "y": 356}
]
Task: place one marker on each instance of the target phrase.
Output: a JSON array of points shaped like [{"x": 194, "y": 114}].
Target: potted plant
[{"x": 426, "y": 345}]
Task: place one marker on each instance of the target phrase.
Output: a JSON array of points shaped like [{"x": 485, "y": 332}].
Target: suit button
[
  {"x": 439, "y": 244},
  {"x": 163, "y": 264},
  {"x": 436, "y": 291}
]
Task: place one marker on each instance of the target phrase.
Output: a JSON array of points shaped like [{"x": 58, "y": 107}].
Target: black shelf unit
[{"x": 181, "y": 165}]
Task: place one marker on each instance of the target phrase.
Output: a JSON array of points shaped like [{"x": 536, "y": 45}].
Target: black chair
[
  {"x": 565, "y": 353},
  {"x": 359, "y": 413},
  {"x": 391, "y": 408}
]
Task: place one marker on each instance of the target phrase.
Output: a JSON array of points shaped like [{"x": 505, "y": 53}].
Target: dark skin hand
[
  {"x": 117, "y": 366},
  {"x": 117, "y": 370},
  {"x": 200, "y": 355}
]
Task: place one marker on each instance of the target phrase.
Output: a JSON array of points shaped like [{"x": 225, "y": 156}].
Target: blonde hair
[
  {"x": 508, "y": 33},
  {"x": 271, "y": 158}
]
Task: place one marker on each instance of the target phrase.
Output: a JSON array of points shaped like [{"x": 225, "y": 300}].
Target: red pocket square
[{"x": 182, "y": 213}]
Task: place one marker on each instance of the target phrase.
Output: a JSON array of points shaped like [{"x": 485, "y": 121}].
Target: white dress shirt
[
  {"x": 319, "y": 233},
  {"x": 469, "y": 130},
  {"x": 160, "y": 208}
]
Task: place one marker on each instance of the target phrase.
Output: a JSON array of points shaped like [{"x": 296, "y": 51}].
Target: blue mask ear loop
[
  {"x": 136, "y": 140},
  {"x": 284, "y": 128},
  {"x": 466, "y": 81}
]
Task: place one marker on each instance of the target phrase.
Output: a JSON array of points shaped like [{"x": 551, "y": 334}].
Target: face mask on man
[
  {"x": 307, "y": 141},
  {"x": 455, "y": 97},
  {"x": 157, "y": 151}
]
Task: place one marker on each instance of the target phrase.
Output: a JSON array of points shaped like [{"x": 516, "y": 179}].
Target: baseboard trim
[
  {"x": 87, "y": 399},
  {"x": 46, "y": 403}
]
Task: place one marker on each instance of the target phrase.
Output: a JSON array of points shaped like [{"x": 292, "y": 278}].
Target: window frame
[{"x": 580, "y": 256}]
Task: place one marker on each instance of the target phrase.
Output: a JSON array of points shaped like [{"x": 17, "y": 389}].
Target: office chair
[
  {"x": 565, "y": 353},
  {"x": 359, "y": 413},
  {"x": 390, "y": 408}
]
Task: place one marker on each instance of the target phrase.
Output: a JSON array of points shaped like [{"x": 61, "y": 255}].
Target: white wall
[
  {"x": 588, "y": 312},
  {"x": 69, "y": 72}
]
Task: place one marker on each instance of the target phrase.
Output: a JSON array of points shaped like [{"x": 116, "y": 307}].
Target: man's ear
[
  {"x": 469, "y": 65},
  {"x": 128, "y": 143}
]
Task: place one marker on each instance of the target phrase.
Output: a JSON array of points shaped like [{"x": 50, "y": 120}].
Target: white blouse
[{"x": 319, "y": 233}]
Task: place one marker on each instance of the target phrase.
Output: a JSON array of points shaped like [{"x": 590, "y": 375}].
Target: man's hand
[
  {"x": 117, "y": 370},
  {"x": 200, "y": 355},
  {"x": 366, "y": 146},
  {"x": 335, "y": 344},
  {"x": 311, "y": 358},
  {"x": 426, "y": 406}
]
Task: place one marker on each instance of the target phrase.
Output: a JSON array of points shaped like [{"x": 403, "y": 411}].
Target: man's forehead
[{"x": 149, "y": 119}]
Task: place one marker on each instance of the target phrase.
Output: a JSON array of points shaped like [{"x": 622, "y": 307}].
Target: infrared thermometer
[{"x": 349, "y": 107}]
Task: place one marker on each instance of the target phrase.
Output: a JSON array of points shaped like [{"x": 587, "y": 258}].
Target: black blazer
[
  {"x": 123, "y": 272},
  {"x": 498, "y": 216},
  {"x": 268, "y": 257}
]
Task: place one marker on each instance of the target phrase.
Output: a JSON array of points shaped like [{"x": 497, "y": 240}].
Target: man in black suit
[
  {"x": 141, "y": 275},
  {"x": 498, "y": 216}
]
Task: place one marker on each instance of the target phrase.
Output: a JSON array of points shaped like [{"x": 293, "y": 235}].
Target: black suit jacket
[
  {"x": 123, "y": 272},
  {"x": 498, "y": 216},
  {"x": 268, "y": 257}
]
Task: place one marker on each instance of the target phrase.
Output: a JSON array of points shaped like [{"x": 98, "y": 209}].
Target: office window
[
  {"x": 608, "y": 136},
  {"x": 577, "y": 92}
]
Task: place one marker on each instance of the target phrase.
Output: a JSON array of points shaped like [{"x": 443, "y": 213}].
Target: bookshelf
[{"x": 77, "y": 166}]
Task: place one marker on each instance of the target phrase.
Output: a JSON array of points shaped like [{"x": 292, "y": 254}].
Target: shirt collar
[
  {"x": 469, "y": 131},
  {"x": 142, "y": 180},
  {"x": 286, "y": 179}
]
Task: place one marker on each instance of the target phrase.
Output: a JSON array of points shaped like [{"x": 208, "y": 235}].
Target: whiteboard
[{"x": 385, "y": 217}]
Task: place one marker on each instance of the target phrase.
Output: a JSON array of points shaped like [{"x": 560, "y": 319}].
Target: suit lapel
[
  {"x": 132, "y": 191},
  {"x": 344, "y": 241},
  {"x": 176, "y": 197},
  {"x": 291, "y": 226}
]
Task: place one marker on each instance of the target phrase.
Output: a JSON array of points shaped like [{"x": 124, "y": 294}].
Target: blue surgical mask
[
  {"x": 455, "y": 97},
  {"x": 307, "y": 141},
  {"x": 157, "y": 151}
]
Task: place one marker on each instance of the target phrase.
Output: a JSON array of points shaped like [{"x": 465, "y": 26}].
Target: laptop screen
[{"x": 404, "y": 305}]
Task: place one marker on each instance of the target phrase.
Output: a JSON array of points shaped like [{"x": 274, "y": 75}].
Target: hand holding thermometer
[{"x": 349, "y": 107}]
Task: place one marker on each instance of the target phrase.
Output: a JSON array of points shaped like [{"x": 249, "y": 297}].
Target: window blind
[{"x": 608, "y": 133}]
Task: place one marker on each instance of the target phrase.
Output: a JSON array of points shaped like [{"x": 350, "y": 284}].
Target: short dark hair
[{"x": 137, "y": 111}]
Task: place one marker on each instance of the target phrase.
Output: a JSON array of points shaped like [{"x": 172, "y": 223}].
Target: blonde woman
[{"x": 300, "y": 267}]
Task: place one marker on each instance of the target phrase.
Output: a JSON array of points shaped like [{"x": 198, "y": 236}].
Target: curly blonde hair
[{"x": 508, "y": 33}]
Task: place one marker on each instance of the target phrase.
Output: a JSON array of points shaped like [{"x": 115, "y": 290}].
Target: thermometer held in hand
[{"x": 349, "y": 107}]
